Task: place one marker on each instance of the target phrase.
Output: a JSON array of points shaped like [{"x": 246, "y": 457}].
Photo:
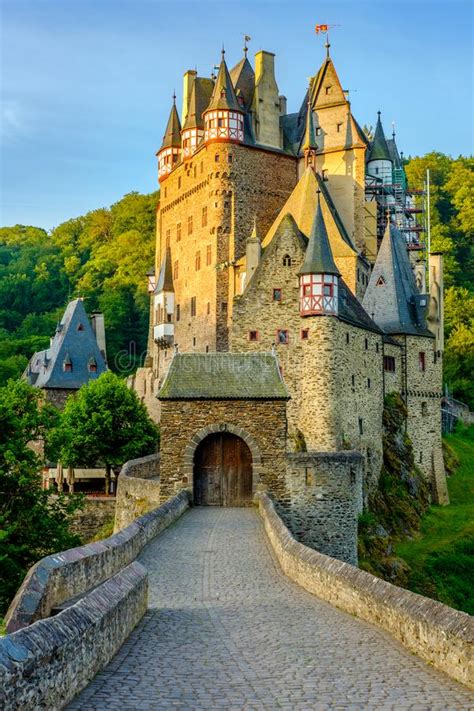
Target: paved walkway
[{"x": 226, "y": 630}]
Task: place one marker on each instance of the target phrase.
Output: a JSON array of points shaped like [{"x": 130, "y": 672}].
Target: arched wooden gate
[{"x": 222, "y": 471}]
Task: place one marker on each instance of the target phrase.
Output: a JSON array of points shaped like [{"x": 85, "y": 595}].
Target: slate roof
[
  {"x": 309, "y": 136},
  {"x": 223, "y": 95},
  {"x": 318, "y": 258},
  {"x": 223, "y": 376},
  {"x": 199, "y": 101},
  {"x": 378, "y": 148},
  {"x": 393, "y": 152},
  {"x": 165, "y": 277},
  {"x": 172, "y": 137},
  {"x": 351, "y": 310},
  {"x": 74, "y": 342},
  {"x": 243, "y": 79},
  {"x": 391, "y": 298}
]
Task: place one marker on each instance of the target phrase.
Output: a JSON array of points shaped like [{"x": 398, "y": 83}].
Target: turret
[
  {"x": 319, "y": 276},
  {"x": 379, "y": 162},
  {"x": 308, "y": 144},
  {"x": 169, "y": 153},
  {"x": 224, "y": 117},
  {"x": 164, "y": 304},
  {"x": 193, "y": 127}
]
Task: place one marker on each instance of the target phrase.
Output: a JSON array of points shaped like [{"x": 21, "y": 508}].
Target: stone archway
[
  {"x": 190, "y": 451},
  {"x": 222, "y": 473}
]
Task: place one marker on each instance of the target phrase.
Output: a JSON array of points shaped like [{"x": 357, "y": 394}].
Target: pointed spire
[
  {"x": 309, "y": 138},
  {"x": 165, "y": 277},
  {"x": 223, "y": 96},
  {"x": 172, "y": 137},
  {"x": 379, "y": 149},
  {"x": 319, "y": 258}
]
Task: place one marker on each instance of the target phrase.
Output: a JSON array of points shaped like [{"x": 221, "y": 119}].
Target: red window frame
[
  {"x": 277, "y": 294},
  {"x": 305, "y": 334},
  {"x": 252, "y": 338}
]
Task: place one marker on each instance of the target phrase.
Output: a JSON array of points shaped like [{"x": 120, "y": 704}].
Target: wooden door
[{"x": 223, "y": 471}]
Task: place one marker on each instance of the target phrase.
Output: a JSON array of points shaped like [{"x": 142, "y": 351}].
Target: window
[
  {"x": 347, "y": 338},
  {"x": 208, "y": 255},
  {"x": 366, "y": 344},
  {"x": 190, "y": 224},
  {"x": 166, "y": 192},
  {"x": 253, "y": 335},
  {"x": 80, "y": 327},
  {"x": 380, "y": 281},
  {"x": 220, "y": 122},
  {"x": 421, "y": 457},
  {"x": 276, "y": 294},
  {"x": 282, "y": 337},
  {"x": 168, "y": 237},
  {"x": 230, "y": 158},
  {"x": 327, "y": 290},
  {"x": 176, "y": 270},
  {"x": 208, "y": 309},
  {"x": 353, "y": 380},
  {"x": 178, "y": 312},
  {"x": 194, "y": 340},
  {"x": 339, "y": 127},
  {"x": 178, "y": 231},
  {"x": 198, "y": 261},
  {"x": 328, "y": 90},
  {"x": 361, "y": 426},
  {"x": 318, "y": 130},
  {"x": 287, "y": 260},
  {"x": 224, "y": 307},
  {"x": 204, "y": 216},
  {"x": 377, "y": 347},
  {"x": 216, "y": 157},
  {"x": 424, "y": 408},
  {"x": 358, "y": 274},
  {"x": 306, "y": 289},
  {"x": 368, "y": 383},
  {"x": 389, "y": 364},
  {"x": 179, "y": 183},
  {"x": 421, "y": 361},
  {"x": 193, "y": 306},
  {"x": 67, "y": 365},
  {"x": 202, "y": 166},
  {"x": 207, "y": 349},
  {"x": 305, "y": 334},
  {"x": 325, "y": 176},
  {"x": 92, "y": 365}
]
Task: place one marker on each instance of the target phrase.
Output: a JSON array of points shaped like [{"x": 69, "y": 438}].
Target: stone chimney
[
  {"x": 266, "y": 102},
  {"x": 188, "y": 81},
  {"x": 436, "y": 305},
  {"x": 98, "y": 326}
]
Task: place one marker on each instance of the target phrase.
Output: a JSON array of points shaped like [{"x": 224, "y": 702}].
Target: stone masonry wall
[
  {"x": 324, "y": 501},
  {"x": 96, "y": 513},
  {"x": 264, "y": 421},
  {"x": 46, "y": 664},
  {"x": 422, "y": 390},
  {"x": 442, "y": 636},
  {"x": 62, "y": 576},
  {"x": 138, "y": 490}
]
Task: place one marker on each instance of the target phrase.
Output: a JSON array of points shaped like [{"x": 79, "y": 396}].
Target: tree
[
  {"x": 105, "y": 424},
  {"x": 32, "y": 523}
]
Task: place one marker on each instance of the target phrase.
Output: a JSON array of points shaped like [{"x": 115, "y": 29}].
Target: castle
[{"x": 290, "y": 297}]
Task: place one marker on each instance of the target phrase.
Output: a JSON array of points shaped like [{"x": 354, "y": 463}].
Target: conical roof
[
  {"x": 318, "y": 258},
  {"x": 200, "y": 97},
  {"x": 243, "y": 79},
  {"x": 223, "y": 96},
  {"x": 165, "y": 277},
  {"x": 172, "y": 137},
  {"x": 309, "y": 137},
  {"x": 392, "y": 298},
  {"x": 379, "y": 149}
]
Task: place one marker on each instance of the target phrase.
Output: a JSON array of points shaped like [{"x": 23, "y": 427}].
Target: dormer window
[
  {"x": 67, "y": 364},
  {"x": 380, "y": 281},
  {"x": 319, "y": 130},
  {"x": 80, "y": 327},
  {"x": 328, "y": 90},
  {"x": 92, "y": 365}
]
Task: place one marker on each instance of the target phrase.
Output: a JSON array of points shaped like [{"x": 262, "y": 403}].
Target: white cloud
[{"x": 13, "y": 123}]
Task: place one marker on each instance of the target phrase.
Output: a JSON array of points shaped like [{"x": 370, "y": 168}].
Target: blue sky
[{"x": 86, "y": 86}]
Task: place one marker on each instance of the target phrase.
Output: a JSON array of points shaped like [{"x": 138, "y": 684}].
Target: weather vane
[
  {"x": 246, "y": 39},
  {"x": 324, "y": 30}
]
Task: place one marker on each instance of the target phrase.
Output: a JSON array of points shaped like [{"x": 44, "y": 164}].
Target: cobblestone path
[{"x": 226, "y": 630}]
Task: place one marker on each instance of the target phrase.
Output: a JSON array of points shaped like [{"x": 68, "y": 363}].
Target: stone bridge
[{"x": 231, "y": 623}]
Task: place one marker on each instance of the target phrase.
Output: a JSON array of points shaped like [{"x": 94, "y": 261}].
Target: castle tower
[
  {"x": 224, "y": 117},
  {"x": 193, "y": 126},
  {"x": 318, "y": 276},
  {"x": 169, "y": 153},
  {"x": 379, "y": 161},
  {"x": 164, "y": 304}
]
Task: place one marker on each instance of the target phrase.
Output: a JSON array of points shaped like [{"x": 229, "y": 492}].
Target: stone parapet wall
[
  {"x": 96, "y": 513},
  {"x": 442, "y": 636},
  {"x": 324, "y": 501},
  {"x": 138, "y": 490},
  {"x": 46, "y": 664},
  {"x": 63, "y": 576}
]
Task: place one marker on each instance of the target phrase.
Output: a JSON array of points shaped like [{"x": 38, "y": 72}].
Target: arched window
[{"x": 287, "y": 260}]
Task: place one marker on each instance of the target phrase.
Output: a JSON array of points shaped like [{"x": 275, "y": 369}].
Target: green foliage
[
  {"x": 32, "y": 524},
  {"x": 396, "y": 507},
  {"x": 102, "y": 256},
  {"x": 440, "y": 557},
  {"x": 104, "y": 424}
]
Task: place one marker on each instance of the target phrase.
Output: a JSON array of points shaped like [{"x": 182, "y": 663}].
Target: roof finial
[
  {"x": 393, "y": 130},
  {"x": 327, "y": 45},
  {"x": 379, "y": 114},
  {"x": 174, "y": 97},
  {"x": 222, "y": 52},
  {"x": 246, "y": 49}
]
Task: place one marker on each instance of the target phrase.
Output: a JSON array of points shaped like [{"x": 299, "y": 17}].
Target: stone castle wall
[
  {"x": 324, "y": 501},
  {"x": 442, "y": 636},
  {"x": 138, "y": 490},
  {"x": 261, "y": 423},
  {"x": 96, "y": 513}
]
